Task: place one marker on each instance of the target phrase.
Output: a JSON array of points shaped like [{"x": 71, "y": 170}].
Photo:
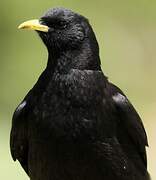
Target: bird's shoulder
[
  {"x": 19, "y": 136},
  {"x": 130, "y": 127},
  {"x": 20, "y": 120}
]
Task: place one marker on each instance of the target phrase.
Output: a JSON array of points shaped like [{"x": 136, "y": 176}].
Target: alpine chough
[{"x": 74, "y": 124}]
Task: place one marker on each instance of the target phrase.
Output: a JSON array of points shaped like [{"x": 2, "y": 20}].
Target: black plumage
[{"x": 74, "y": 124}]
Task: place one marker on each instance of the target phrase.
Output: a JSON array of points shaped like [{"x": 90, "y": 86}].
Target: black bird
[{"x": 74, "y": 124}]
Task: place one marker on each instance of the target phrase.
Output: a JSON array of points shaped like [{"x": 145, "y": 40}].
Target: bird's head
[
  {"x": 60, "y": 29},
  {"x": 66, "y": 32}
]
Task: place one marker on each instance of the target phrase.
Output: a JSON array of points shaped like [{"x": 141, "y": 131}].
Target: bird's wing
[
  {"x": 19, "y": 131},
  {"x": 129, "y": 122},
  {"x": 18, "y": 136}
]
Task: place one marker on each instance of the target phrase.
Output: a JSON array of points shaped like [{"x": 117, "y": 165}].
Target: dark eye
[
  {"x": 54, "y": 23},
  {"x": 60, "y": 24}
]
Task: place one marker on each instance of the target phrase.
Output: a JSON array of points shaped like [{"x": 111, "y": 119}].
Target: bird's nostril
[{"x": 51, "y": 29}]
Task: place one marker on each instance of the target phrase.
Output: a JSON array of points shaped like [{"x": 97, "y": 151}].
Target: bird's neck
[{"x": 86, "y": 57}]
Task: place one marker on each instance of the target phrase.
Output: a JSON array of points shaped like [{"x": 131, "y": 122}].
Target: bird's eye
[
  {"x": 60, "y": 24},
  {"x": 56, "y": 24}
]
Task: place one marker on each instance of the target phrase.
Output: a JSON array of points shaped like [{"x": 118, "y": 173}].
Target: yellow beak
[{"x": 33, "y": 25}]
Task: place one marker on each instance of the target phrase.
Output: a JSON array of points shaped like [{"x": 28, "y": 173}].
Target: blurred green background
[{"x": 126, "y": 31}]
